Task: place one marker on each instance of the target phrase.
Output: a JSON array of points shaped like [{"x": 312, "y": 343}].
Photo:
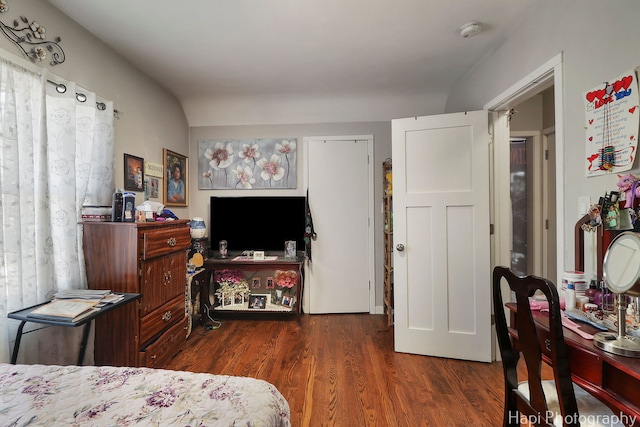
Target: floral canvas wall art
[{"x": 262, "y": 163}]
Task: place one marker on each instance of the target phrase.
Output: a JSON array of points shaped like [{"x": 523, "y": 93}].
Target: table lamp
[{"x": 621, "y": 271}]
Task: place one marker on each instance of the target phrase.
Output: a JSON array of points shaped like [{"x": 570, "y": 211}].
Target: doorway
[
  {"x": 532, "y": 185},
  {"x": 548, "y": 79}
]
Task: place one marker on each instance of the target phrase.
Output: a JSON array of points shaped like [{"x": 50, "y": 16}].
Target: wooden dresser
[{"x": 148, "y": 258}]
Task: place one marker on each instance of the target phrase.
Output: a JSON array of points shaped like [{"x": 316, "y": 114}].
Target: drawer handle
[
  {"x": 547, "y": 344},
  {"x": 167, "y": 316},
  {"x": 172, "y": 242}
]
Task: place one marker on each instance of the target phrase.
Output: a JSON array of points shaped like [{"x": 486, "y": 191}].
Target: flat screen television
[{"x": 261, "y": 223}]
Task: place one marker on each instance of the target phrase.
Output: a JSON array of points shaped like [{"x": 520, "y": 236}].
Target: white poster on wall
[{"x": 611, "y": 123}]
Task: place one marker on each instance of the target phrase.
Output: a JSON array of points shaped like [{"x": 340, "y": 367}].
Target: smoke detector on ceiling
[{"x": 470, "y": 29}]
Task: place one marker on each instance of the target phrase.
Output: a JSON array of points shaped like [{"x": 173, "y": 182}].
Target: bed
[{"x": 39, "y": 395}]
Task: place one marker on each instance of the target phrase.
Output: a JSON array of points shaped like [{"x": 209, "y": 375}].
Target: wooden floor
[{"x": 341, "y": 370}]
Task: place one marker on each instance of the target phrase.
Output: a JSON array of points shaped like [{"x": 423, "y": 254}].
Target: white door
[
  {"x": 442, "y": 279},
  {"x": 340, "y": 187}
]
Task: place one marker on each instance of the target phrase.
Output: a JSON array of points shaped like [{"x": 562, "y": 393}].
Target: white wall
[
  {"x": 599, "y": 41},
  {"x": 153, "y": 118},
  {"x": 381, "y": 131}
]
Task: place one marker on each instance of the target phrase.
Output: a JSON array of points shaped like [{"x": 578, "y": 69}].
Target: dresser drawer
[
  {"x": 162, "y": 279},
  {"x": 159, "y": 353},
  {"x": 161, "y": 318},
  {"x": 161, "y": 242}
]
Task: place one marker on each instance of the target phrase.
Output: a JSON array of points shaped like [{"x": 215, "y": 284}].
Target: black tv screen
[{"x": 260, "y": 223}]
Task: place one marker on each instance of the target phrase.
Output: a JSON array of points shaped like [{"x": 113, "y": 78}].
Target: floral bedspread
[{"x": 38, "y": 395}]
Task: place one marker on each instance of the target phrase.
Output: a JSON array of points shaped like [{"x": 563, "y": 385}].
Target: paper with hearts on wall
[{"x": 612, "y": 119}]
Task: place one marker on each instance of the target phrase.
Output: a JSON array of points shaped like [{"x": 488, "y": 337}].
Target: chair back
[{"x": 533, "y": 347}]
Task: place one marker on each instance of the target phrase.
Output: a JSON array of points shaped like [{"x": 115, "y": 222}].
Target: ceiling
[{"x": 209, "y": 48}]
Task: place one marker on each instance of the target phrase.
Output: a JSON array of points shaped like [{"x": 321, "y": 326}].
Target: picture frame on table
[
  {"x": 133, "y": 173},
  {"x": 257, "y": 302},
  {"x": 226, "y": 300},
  {"x": 277, "y": 298},
  {"x": 286, "y": 300},
  {"x": 238, "y": 299},
  {"x": 176, "y": 171}
]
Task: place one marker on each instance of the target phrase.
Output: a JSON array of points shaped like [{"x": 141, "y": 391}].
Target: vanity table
[{"x": 613, "y": 379}]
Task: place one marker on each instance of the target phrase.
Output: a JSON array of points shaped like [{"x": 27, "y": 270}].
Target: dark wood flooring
[{"x": 341, "y": 370}]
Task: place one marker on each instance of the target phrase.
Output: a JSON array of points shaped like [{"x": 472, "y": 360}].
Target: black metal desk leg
[
  {"x": 16, "y": 346},
  {"x": 83, "y": 344}
]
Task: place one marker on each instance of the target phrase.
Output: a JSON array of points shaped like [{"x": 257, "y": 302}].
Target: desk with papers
[{"x": 105, "y": 303}]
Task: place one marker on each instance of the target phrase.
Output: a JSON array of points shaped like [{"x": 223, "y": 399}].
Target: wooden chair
[{"x": 543, "y": 403}]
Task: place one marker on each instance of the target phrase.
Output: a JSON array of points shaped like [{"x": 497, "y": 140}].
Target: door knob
[{"x": 400, "y": 247}]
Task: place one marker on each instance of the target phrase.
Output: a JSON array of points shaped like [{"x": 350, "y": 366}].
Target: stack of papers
[
  {"x": 100, "y": 295},
  {"x": 82, "y": 294},
  {"x": 111, "y": 298},
  {"x": 66, "y": 310}
]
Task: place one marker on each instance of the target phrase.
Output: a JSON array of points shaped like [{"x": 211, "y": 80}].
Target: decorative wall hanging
[
  {"x": 176, "y": 188},
  {"x": 30, "y": 37},
  {"x": 153, "y": 169},
  {"x": 612, "y": 120},
  {"x": 133, "y": 173},
  {"x": 263, "y": 163}
]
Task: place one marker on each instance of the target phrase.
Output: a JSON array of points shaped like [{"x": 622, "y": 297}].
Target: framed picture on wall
[
  {"x": 176, "y": 189},
  {"x": 133, "y": 173}
]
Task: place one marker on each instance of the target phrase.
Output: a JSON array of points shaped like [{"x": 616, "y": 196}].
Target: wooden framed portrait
[
  {"x": 133, "y": 173},
  {"x": 176, "y": 189}
]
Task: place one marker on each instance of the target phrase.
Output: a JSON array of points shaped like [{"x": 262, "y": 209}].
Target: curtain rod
[{"x": 81, "y": 97}]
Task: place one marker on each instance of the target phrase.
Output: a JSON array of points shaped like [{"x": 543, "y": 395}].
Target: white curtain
[{"x": 56, "y": 154}]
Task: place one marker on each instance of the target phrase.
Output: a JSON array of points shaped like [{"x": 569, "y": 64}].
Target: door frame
[
  {"x": 370, "y": 208},
  {"x": 549, "y": 181},
  {"x": 548, "y": 74}
]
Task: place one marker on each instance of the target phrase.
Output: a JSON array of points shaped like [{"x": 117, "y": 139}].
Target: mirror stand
[{"x": 621, "y": 344}]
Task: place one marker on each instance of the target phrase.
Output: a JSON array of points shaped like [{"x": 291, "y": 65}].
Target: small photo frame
[
  {"x": 133, "y": 173},
  {"x": 270, "y": 283},
  {"x": 258, "y": 255},
  {"x": 238, "y": 299},
  {"x": 176, "y": 189},
  {"x": 286, "y": 300},
  {"x": 257, "y": 302},
  {"x": 151, "y": 188},
  {"x": 226, "y": 300},
  {"x": 277, "y": 298},
  {"x": 255, "y": 283}
]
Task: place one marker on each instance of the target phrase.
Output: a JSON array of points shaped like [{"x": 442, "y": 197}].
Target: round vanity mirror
[
  {"x": 621, "y": 271},
  {"x": 621, "y": 266}
]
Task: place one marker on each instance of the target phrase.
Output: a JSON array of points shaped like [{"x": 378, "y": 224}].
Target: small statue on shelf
[{"x": 628, "y": 184}]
